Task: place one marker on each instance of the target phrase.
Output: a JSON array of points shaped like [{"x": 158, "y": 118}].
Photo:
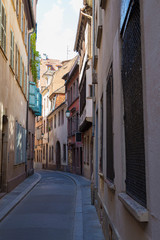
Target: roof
[{"x": 58, "y": 81}]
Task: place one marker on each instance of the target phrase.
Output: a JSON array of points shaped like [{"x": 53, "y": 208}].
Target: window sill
[
  {"x": 136, "y": 210},
  {"x": 110, "y": 185}
]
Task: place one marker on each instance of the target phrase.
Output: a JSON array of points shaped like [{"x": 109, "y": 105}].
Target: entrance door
[
  {"x": 3, "y": 166},
  {"x": 58, "y": 155}
]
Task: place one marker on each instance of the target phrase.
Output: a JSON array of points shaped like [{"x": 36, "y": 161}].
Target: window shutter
[
  {"x": 17, "y": 7},
  {"x": 24, "y": 79},
  {"x": 26, "y": 26},
  {"x": 11, "y": 48},
  {"x": 21, "y": 71},
  {"x": 22, "y": 7},
  {"x": 27, "y": 86}
]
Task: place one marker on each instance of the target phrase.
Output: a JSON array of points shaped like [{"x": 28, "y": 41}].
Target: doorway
[
  {"x": 3, "y": 166},
  {"x": 58, "y": 155}
]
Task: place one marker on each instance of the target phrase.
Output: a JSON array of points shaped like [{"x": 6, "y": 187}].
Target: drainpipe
[{"x": 29, "y": 35}]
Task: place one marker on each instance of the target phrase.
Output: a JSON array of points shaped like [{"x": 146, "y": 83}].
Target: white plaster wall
[{"x": 59, "y": 134}]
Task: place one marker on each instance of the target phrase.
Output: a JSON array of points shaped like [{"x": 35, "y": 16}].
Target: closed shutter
[
  {"x": 3, "y": 29},
  {"x": 21, "y": 71},
  {"x": 17, "y": 7},
  {"x": 109, "y": 105},
  {"x": 26, "y": 32},
  {"x": 16, "y": 142},
  {"x": 12, "y": 49},
  {"x": 24, "y": 79},
  {"x": 133, "y": 107},
  {"x": 22, "y": 9}
]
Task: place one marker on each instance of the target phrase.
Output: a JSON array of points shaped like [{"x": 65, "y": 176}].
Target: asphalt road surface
[{"x": 46, "y": 213}]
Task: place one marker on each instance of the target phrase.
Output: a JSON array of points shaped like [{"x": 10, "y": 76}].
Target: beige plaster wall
[{"x": 126, "y": 226}]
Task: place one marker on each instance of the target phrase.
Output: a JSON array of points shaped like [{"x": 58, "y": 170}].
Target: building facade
[
  {"x": 74, "y": 144},
  {"x": 125, "y": 113},
  {"x": 16, "y": 20},
  {"x": 83, "y": 47}
]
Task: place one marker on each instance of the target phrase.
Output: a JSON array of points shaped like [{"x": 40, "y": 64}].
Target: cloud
[
  {"x": 76, "y": 5},
  {"x": 54, "y": 36}
]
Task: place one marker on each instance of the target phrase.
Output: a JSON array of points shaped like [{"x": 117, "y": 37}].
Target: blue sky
[{"x": 57, "y": 25}]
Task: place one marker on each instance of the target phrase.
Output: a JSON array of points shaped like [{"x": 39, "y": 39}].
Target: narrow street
[{"x": 48, "y": 212}]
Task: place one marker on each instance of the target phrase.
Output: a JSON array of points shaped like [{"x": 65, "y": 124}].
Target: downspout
[{"x": 29, "y": 36}]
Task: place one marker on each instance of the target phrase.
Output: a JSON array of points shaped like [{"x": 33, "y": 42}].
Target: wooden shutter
[
  {"x": 133, "y": 107},
  {"x": 3, "y": 29},
  {"x": 22, "y": 9},
  {"x": 12, "y": 49},
  {"x": 21, "y": 71}
]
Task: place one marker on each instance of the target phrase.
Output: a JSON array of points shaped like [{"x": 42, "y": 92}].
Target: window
[
  {"x": 62, "y": 120},
  {"x": 74, "y": 96},
  {"x": 12, "y": 50},
  {"x": 43, "y": 152},
  {"x": 133, "y": 106},
  {"x": 16, "y": 62},
  {"x": 87, "y": 150},
  {"x": 26, "y": 27},
  {"x": 59, "y": 118},
  {"x": 109, "y": 134},
  {"x": 71, "y": 96},
  {"x": 24, "y": 81},
  {"x": 2, "y": 27},
  {"x": 90, "y": 90},
  {"x": 21, "y": 71},
  {"x": 101, "y": 137},
  {"x": 17, "y": 7},
  {"x": 54, "y": 121},
  {"x": 20, "y": 144},
  {"x": 52, "y": 154},
  {"x": 44, "y": 127},
  {"x": 22, "y": 10},
  {"x": 83, "y": 96},
  {"x": 77, "y": 88},
  {"x": 64, "y": 152}
]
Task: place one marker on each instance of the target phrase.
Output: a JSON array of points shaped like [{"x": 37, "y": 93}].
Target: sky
[{"x": 56, "y": 27}]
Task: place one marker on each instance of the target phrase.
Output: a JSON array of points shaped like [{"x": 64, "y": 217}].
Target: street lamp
[{"x": 68, "y": 114}]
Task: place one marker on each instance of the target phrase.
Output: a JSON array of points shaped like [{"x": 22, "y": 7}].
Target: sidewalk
[
  {"x": 10, "y": 200},
  {"x": 87, "y": 225}
]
